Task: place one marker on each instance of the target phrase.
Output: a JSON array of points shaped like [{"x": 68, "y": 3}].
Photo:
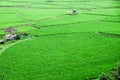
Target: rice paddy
[{"x": 59, "y": 46}]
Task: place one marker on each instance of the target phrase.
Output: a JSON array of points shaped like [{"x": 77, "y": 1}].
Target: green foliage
[
  {"x": 104, "y": 76},
  {"x": 17, "y": 37},
  {"x": 119, "y": 69},
  {"x": 115, "y": 72},
  {"x": 66, "y": 47}
]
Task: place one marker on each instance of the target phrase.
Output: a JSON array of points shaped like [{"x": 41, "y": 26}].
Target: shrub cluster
[{"x": 114, "y": 74}]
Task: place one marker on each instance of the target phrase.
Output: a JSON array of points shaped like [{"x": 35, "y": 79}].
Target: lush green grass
[
  {"x": 66, "y": 47},
  {"x": 59, "y": 57}
]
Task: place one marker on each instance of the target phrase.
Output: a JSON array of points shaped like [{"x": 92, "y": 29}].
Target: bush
[
  {"x": 104, "y": 76},
  {"x": 119, "y": 69},
  {"x": 17, "y": 37}
]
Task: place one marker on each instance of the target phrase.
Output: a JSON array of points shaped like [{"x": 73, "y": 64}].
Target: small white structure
[
  {"x": 10, "y": 37},
  {"x": 10, "y": 34},
  {"x": 72, "y": 12}
]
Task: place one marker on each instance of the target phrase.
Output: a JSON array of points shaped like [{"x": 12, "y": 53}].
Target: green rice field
[{"x": 62, "y": 47}]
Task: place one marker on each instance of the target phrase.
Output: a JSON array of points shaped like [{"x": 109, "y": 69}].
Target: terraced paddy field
[{"x": 62, "y": 47}]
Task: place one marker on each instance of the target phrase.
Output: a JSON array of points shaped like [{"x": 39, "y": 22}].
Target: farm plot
[
  {"x": 10, "y": 20},
  {"x": 64, "y": 47},
  {"x": 39, "y": 14},
  {"x": 66, "y": 57}
]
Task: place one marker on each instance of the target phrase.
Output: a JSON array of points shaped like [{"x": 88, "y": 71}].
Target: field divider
[
  {"x": 32, "y": 23},
  {"x": 8, "y": 46},
  {"x": 22, "y": 16},
  {"x": 110, "y": 21},
  {"x": 57, "y": 34},
  {"x": 70, "y": 23},
  {"x": 109, "y": 34}
]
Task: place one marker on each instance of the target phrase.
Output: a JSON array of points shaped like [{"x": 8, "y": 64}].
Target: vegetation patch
[{"x": 59, "y": 39}]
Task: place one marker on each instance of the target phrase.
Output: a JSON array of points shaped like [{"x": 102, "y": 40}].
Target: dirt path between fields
[
  {"x": 32, "y": 23},
  {"x": 9, "y": 45},
  {"x": 109, "y": 34}
]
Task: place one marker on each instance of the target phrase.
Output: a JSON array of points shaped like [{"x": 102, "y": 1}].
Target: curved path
[{"x": 9, "y": 45}]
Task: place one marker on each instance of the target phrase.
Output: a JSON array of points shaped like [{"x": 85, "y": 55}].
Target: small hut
[
  {"x": 72, "y": 12},
  {"x": 10, "y": 34}
]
